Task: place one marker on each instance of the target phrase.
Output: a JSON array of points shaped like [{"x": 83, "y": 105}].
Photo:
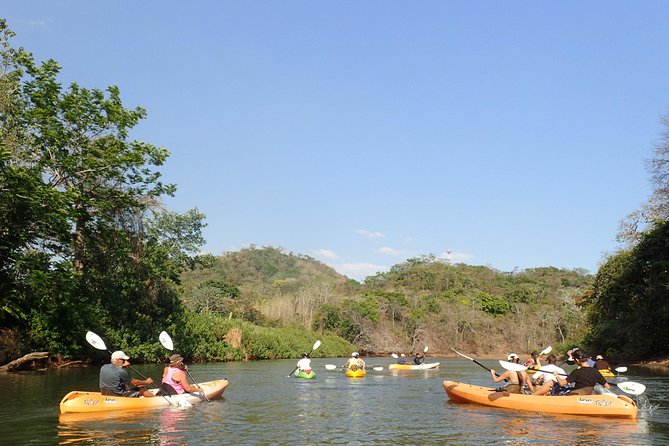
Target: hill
[{"x": 422, "y": 301}]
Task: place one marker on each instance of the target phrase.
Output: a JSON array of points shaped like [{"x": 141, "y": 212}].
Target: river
[{"x": 263, "y": 406}]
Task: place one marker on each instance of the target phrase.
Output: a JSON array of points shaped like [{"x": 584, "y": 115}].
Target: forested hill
[{"x": 422, "y": 301}]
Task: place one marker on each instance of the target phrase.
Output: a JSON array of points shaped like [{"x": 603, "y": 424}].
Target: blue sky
[{"x": 512, "y": 134}]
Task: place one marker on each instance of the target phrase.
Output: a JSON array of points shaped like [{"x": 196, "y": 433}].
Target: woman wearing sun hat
[{"x": 175, "y": 381}]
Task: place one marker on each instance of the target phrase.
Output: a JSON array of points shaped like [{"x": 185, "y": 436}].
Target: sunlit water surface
[{"x": 263, "y": 406}]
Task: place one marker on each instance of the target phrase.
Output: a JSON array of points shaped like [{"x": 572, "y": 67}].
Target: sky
[{"x": 509, "y": 134}]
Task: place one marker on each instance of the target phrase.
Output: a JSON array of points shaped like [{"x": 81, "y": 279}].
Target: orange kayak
[
  {"x": 85, "y": 402},
  {"x": 592, "y": 405}
]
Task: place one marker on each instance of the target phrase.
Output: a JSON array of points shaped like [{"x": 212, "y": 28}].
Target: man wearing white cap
[{"x": 116, "y": 381}]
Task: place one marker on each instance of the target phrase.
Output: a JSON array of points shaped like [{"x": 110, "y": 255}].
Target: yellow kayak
[
  {"x": 593, "y": 405},
  {"x": 605, "y": 373},
  {"x": 358, "y": 373},
  {"x": 432, "y": 365},
  {"x": 84, "y": 402}
]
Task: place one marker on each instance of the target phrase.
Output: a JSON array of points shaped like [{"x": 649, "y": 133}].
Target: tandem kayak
[
  {"x": 305, "y": 375},
  {"x": 592, "y": 405},
  {"x": 432, "y": 365},
  {"x": 83, "y": 402},
  {"x": 358, "y": 373}
]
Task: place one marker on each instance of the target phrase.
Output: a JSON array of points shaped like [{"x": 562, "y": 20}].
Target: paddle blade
[
  {"x": 394, "y": 355},
  {"x": 166, "y": 340},
  {"x": 546, "y": 351},
  {"x": 377, "y": 369},
  {"x": 512, "y": 366},
  {"x": 316, "y": 345},
  {"x": 632, "y": 388},
  {"x": 621, "y": 369},
  {"x": 95, "y": 340},
  {"x": 330, "y": 366},
  {"x": 462, "y": 354},
  {"x": 425, "y": 349}
]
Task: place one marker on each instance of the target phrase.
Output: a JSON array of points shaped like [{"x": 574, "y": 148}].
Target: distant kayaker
[
  {"x": 355, "y": 362},
  {"x": 602, "y": 364},
  {"x": 175, "y": 381},
  {"x": 304, "y": 364},
  {"x": 533, "y": 361},
  {"x": 402, "y": 359},
  {"x": 115, "y": 379},
  {"x": 584, "y": 377},
  {"x": 546, "y": 377},
  {"x": 519, "y": 382},
  {"x": 419, "y": 358}
]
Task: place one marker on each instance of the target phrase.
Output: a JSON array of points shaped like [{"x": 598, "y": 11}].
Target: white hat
[
  {"x": 403, "y": 355},
  {"x": 354, "y": 354},
  {"x": 599, "y": 357},
  {"x": 512, "y": 356},
  {"x": 118, "y": 354}
]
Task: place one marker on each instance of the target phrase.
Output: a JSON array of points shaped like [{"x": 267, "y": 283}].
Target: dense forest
[{"x": 86, "y": 244}]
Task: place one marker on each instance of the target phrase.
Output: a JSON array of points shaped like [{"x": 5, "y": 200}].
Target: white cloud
[
  {"x": 369, "y": 234},
  {"x": 327, "y": 254},
  {"x": 359, "y": 271},
  {"x": 389, "y": 251}
]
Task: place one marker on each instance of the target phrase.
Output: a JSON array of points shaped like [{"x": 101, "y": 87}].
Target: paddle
[
  {"x": 546, "y": 351},
  {"x": 472, "y": 359},
  {"x": 630, "y": 387},
  {"x": 316, "y": 345},
  {"x": 97, "y": 342},
  {"x": 166, "y": 341}
]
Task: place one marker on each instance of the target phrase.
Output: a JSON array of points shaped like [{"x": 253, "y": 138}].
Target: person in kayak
[
  {"x": 402, "y": 359},
  {"x": 533, "y": 362},
  {"x": 116, "y": 381},
  {"x": 584, "y": 378},
  {"x": 518, "y": 382},
  {"x": 419, "y": 358},
  {"x": 304, "y": 364},
  {"x": 547, "y": 378},
  {"x": 602, "y": 364},
  {"x": 355, "y": 362},
  {"x": 175, "y": 381}
]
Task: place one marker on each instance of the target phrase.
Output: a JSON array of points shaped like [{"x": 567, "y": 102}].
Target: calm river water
[{"x": 263, "y": 406}]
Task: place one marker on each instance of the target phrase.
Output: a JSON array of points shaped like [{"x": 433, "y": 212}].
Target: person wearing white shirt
[
  {"x": 547, "y": 375},
  {"x": 304, "y": 364}
]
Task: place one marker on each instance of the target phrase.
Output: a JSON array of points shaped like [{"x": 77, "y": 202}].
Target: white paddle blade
[
  {"x": 621, "y": 369},
  {"x": 316, "y": 345},
  {"x": 377, "y": 369},
  {"x": 546, "y": 351},
  {"x": 166, "y": 340},
  {"x": 95, "y": 340},
  {"x": 394, "y": 355},
  {"x": 425, "y": 349},
  {"x": 632, "y": 388},
  {"x": 330, "y": 366},
  {"x": 512, "y": 366}
]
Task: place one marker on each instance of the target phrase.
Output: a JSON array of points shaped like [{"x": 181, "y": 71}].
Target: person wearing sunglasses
[{"x": 116, "y": 381}]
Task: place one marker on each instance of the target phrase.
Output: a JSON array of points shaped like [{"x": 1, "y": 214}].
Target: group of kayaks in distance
[{"x": 600, "y": 403}]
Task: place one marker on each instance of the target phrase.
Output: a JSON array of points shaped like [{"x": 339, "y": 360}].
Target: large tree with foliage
[{"x": 85, "y": 243}]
